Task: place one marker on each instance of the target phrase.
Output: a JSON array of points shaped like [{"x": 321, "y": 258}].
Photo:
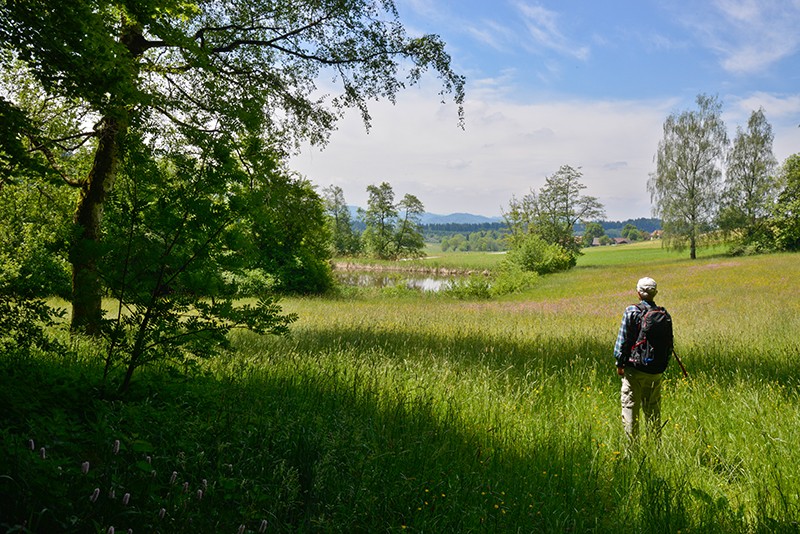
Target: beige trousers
[{"x": 641, "y": 391}]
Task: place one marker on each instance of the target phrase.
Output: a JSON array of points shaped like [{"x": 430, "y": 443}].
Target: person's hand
[{"x": 621, "y": 371}]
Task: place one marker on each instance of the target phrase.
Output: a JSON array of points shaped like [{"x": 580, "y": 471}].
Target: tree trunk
[{"x": 87, "y": 290}]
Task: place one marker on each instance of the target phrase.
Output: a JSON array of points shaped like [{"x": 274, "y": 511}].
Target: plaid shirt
[{"x": 628, "y": 331}]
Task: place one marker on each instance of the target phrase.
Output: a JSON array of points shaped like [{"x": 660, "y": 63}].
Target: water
[{"x": 382, "y": 279}]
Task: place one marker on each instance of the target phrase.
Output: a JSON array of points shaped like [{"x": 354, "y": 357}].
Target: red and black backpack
[{"x": 654, "y": 342}]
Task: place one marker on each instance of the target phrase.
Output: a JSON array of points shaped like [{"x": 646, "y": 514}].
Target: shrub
[{"x": 535, "y": 254}]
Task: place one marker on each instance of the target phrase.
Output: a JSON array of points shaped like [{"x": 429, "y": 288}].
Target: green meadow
[{"x": 396, "y": 411}]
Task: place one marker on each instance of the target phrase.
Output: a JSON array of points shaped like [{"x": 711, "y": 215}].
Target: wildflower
[
  {"x": 95, "y": 494},
  {"x": 174, "y": 477},
  {"x": 186, "y": 487},
  {"x": 110, "y": 530},
  {"x": 199, "y": 495},
  {"x": 31, "y": 445},
  {"x": 112, "y": 494},
  {"x": 85, "y": 467},
  {"x": 205, "y": 484},
  {"x": 126, "y": 499},
  {"x": 43, "y": 453},
  {"x": 241, "y": 529},
  {"x": 148, "y": 459},
  {"x": 162, "y": 513},
  {"x": 263, "y": 527},
  {"x": 116, "y": 446}
]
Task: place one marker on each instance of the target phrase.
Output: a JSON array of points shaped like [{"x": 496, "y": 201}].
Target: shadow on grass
[{"x": 316, "y": 451}]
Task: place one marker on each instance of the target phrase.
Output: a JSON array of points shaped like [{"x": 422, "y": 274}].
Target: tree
[
  {"x": 409, "y": 241},
  {"x": 178, "y": 228},
  {"x": 242, "y": 65},
  {"x": 553, "y": 212},
  {"x": 685, "y": 187},
  {"x": 750, "y": 182},
  {"x": 785, "y": 222},
  {"x": 380, "y": 217},
  {"x": 593, "y": 230},
  {"x": 631, "y": 233},
  {"x": 345, "y": 240}
]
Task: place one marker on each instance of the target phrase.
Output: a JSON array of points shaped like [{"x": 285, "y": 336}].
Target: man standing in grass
[{"x": 642, "y": 351}]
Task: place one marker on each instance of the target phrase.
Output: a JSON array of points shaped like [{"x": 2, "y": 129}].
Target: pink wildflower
[
  {"x": 162, "y": 513},
  {"x": 263, "y": 527},
  {"x": 32, "y": 445},
  {"x": 199, "y": 495},
  {"x": 43, "y": 453},
  {"x": 116, "y": 446},
  {"x": 126, "y": 499},
  {"x": 95, "y": 494},
  {"x": 174, "y": 477},
  {"x": 85, "y": 467}
]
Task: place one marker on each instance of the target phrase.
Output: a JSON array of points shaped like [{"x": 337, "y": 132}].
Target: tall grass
[{"x": 401, "y": 412}]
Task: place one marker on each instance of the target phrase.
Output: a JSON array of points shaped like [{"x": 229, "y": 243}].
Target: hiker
[{"x": 642, "y": 352}]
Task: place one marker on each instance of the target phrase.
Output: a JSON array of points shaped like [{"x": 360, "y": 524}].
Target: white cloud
[
  {"x": 542, "y": 25},
  {"x": 750, "y": 36},
  {"x": 506, "y": 149}
]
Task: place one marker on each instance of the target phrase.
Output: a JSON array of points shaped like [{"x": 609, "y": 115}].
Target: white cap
[{"x": 647, "y": 286}]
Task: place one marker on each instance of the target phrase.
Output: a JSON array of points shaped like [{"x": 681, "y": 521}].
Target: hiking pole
[{"x": 677, "y": 359}]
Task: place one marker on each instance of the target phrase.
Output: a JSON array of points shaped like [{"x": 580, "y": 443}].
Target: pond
[{"x": 377, "y": 279}]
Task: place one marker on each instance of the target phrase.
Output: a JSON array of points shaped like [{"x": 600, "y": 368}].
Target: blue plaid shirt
[{"x": 627, "y": 333}]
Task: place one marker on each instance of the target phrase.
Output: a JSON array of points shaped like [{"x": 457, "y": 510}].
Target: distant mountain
[
  {"x": 458, "y": 218},
  {"x": 453, "y": 218}
]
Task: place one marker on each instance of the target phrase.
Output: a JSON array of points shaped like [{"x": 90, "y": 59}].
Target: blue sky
[{"x": 581, "y": 83}]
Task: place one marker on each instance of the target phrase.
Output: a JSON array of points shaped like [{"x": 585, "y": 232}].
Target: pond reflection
[{"x": 382, "y": 279}]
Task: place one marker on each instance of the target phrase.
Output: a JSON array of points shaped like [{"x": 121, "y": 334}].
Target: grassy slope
[{"x": 402, "y": 412}]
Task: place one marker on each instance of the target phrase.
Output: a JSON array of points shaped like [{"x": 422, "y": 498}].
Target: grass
[{"x": 392, "y": 411}]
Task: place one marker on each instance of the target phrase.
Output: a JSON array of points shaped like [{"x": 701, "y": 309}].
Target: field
[{"x": 392, "y": 411}]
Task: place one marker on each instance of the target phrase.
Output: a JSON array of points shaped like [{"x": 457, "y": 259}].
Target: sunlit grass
[{"x": 398, "y": 411}]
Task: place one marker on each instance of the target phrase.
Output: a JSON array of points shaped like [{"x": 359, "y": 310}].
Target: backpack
[{"x": 653, "y": 347}]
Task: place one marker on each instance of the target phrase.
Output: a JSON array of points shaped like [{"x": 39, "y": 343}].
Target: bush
[
  {"x": 511, "y": 278},
  {"x": 535, "y": 254}
]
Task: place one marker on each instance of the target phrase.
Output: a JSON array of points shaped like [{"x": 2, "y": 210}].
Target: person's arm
[{"x": 621, "y": 347}]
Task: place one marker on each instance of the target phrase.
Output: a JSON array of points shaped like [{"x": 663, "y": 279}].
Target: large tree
[
  {"x": 380, "y": 218},
  {"x": 751, "y": 185},
  {"x": 409, "y": 239},
  {"x": 340, "y": 223},
  {"x": 685, "y": 187},
  {"x": 785, "y": 220},
  {"x": 235, "y": 67},
  {"x": 553, "y": 211}
]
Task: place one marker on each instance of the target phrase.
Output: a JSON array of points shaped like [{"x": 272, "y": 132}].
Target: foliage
[
  {"x": 480, "y": 241},
  {"x": 408, "y": 239},
  {"x": 631, "y": 233},
  {"x": 393, "y": 230},
  {"x": 33, "y": 239},
  {"x": 510, "y": 278},
  {"x": 345, "y": 240},
  {"x": 535, "y": 254},
  {"x": 751, "y": 185},
  {"x": 551, "y": 214},
  {"x": 177, "y": 224},
  {"x": 592, "y": 230},
  {"x": 785, "y": 222},
  {"x": 686, "y": 183},
  {"x": 379, "y": 220},
  {"x": 243, "y": 66}
]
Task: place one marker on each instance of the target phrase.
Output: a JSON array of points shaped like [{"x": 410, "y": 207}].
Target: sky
[{"x": 582, "y": 83}]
